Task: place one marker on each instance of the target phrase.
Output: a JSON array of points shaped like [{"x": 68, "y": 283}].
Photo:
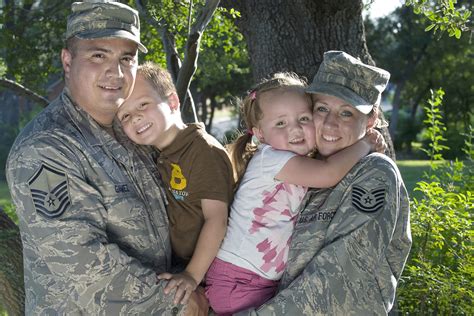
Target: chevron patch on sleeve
[
  {"x": 49, "y": 191},
  {"x": 368, "y": 201}
]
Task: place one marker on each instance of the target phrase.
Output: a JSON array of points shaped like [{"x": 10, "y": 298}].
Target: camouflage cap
[
  {"x": 99, "y": 19},
  {"x": 347, "y": 78}
]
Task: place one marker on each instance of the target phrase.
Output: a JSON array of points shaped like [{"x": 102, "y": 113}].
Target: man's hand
[{"x": 198, "y": 304}]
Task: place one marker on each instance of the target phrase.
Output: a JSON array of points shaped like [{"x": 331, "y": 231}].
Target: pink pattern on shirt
[{"x": 276, "y": 212}]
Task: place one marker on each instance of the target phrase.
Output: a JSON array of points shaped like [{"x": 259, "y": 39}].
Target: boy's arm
[
  {"x": 210, "y": 238},
  {"x": 309, "y": 172}
]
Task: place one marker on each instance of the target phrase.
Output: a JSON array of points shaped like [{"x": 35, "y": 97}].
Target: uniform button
[{"x": 174, "y": 311}]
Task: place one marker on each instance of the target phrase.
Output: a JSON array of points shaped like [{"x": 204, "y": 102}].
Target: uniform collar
[{"x": 94, "y": 134}]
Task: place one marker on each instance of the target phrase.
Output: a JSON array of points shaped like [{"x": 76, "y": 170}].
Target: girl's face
[
  {"x": 287, "y": 122},
  {"x": 337, "y": 124}
]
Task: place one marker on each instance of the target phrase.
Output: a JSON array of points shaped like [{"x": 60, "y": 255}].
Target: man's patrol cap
[
  {"x": 347, "y": 78},
  {"x": 102, "y": 19}
]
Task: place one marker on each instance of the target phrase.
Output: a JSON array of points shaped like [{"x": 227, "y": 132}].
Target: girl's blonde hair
[{"x": 242, "y": 149}]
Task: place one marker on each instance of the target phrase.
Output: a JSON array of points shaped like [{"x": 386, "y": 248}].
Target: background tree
[
  {"x": 420, "y": 61},
  {"x": 284, "y": 35}
]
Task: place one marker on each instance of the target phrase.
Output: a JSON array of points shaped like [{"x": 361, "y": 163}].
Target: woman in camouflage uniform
[{"x": 351, "y": 242}]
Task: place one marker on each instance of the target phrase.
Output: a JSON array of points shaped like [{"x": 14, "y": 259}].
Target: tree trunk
[
  {"x": 285, "y": 35},
  {"x": 12, "y": 292}
]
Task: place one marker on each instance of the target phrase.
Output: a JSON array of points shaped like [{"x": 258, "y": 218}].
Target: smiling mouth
[
  {"x": 110, "y": 88},
  {"x": 296, "y": 141},
  {"x": 144, "y": 128},
  {"x": 330, "y": 138}
]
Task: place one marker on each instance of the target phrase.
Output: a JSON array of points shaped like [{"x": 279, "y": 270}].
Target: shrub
[{"x": 438, "y": 277}]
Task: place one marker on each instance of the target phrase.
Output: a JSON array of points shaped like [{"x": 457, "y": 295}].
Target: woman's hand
[{"x": 184, "y": 284}]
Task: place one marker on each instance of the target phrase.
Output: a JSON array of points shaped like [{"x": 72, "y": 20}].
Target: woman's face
[{"x": 337, "y": 124}]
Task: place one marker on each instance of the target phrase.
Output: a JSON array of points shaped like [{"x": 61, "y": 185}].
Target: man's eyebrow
[{"x": 100, "y": 49}]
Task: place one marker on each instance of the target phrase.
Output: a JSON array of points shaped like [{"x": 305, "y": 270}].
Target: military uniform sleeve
[
  {"x": 365, "y": 247},
  {"x": 66, "y": 243}
]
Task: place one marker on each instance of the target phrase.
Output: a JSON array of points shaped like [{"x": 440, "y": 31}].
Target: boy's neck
[{"x": 170, "y": 135}]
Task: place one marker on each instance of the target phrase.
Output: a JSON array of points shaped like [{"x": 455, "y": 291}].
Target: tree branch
[
  {"x": 21, "y": 90},
  {"x": 192, "y": 48}
]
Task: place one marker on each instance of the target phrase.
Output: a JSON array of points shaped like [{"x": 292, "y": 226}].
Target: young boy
[{"x": 195, "y": 168}]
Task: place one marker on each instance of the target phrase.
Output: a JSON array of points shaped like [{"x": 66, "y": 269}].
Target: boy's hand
[
  {"x": 376, "y": 141},
  {"x": 184, "y": 284}
]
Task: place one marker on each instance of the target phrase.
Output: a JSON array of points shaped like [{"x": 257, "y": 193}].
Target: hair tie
[
  {"x": 249, "y": 132},
  {"x": 253, "y": 95}
]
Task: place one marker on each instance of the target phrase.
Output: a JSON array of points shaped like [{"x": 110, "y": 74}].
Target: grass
[{"x": 412, "y": 172}]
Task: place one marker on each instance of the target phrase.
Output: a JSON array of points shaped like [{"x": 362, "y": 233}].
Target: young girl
[{"x": 273, "y": 179}]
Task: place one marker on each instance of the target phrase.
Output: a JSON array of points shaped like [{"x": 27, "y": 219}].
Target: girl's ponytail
[{"x": 241, "y": 150}]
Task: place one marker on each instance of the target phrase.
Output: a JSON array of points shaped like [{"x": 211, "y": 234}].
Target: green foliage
[
  {"x": 419, "y": 62},
  {"x": 438, "y": 275},
  {"x": 443, "y": 15},
  {"x": 436, "y": 128},
  {"x": 9, "y": 210}
]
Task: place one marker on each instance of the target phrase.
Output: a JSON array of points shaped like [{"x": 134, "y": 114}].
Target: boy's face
[{"x": 145, "y": 117}]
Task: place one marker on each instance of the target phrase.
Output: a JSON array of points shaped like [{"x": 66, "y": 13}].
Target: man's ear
[
  {"x": 173, "y": 102},
  {"x": 66, "y": 58},
  {"x": 258, "y": 133}
]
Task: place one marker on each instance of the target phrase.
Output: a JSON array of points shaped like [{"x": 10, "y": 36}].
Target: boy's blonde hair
[
  {"x": 158, "y": 77},
  {"x": 242, "y": 149}
]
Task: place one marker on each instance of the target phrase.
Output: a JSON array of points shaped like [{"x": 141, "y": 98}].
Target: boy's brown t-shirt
[{"x": 194, "y": 167}]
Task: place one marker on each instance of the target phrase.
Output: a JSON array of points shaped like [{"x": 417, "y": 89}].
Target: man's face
[{"x": 100, "y": 75}]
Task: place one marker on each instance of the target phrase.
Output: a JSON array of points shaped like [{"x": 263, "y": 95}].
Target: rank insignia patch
[
  {"x": 49, "y": 191},
  {"x": 368, "y": 201}
]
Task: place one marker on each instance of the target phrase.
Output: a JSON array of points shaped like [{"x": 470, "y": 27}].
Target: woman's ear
[{"x": 371, "y": 121}]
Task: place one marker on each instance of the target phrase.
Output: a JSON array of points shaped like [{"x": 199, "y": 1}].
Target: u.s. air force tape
[
  {"x": 368, "y": 201},
  {"x": 49, "y": 191}
]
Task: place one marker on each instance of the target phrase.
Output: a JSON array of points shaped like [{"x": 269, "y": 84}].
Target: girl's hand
[
  {"x": 376, "y": 141},
  {"x": 184, "y": 284}
]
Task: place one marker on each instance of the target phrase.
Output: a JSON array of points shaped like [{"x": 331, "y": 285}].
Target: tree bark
[
  {"x": 284, "y": 35},
  {"x": 12, "y": 291}
]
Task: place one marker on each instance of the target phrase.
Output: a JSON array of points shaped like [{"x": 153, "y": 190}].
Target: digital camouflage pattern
[
  {"x": 92, "y": 218},
  {"x": 101, "y": 19},
  {"x": 349, "y": 79},
  {"x": 349, "y": 246}
]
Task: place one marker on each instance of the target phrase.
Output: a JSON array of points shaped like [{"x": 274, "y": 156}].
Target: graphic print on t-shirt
[
  {"x": 178, "y": 183},
  {"x": 274, "y": 212}
]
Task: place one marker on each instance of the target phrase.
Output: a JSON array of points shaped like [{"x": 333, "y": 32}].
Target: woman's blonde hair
[{"x": 242, "y": 149}]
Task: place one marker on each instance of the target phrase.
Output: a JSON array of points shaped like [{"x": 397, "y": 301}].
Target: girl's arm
[
  {"x": 210, "y": 238},
  {"x": 308, "y": 172}
]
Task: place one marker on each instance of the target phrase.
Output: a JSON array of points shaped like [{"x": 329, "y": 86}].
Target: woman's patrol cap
[
  {"x": 347, "y": 78},
  {"x": 102, "y": 19}
]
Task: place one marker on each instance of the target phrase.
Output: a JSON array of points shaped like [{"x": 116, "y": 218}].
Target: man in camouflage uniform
[
  {"x": 91, "y": 211},
  {"x": 351, "y": 242}
]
